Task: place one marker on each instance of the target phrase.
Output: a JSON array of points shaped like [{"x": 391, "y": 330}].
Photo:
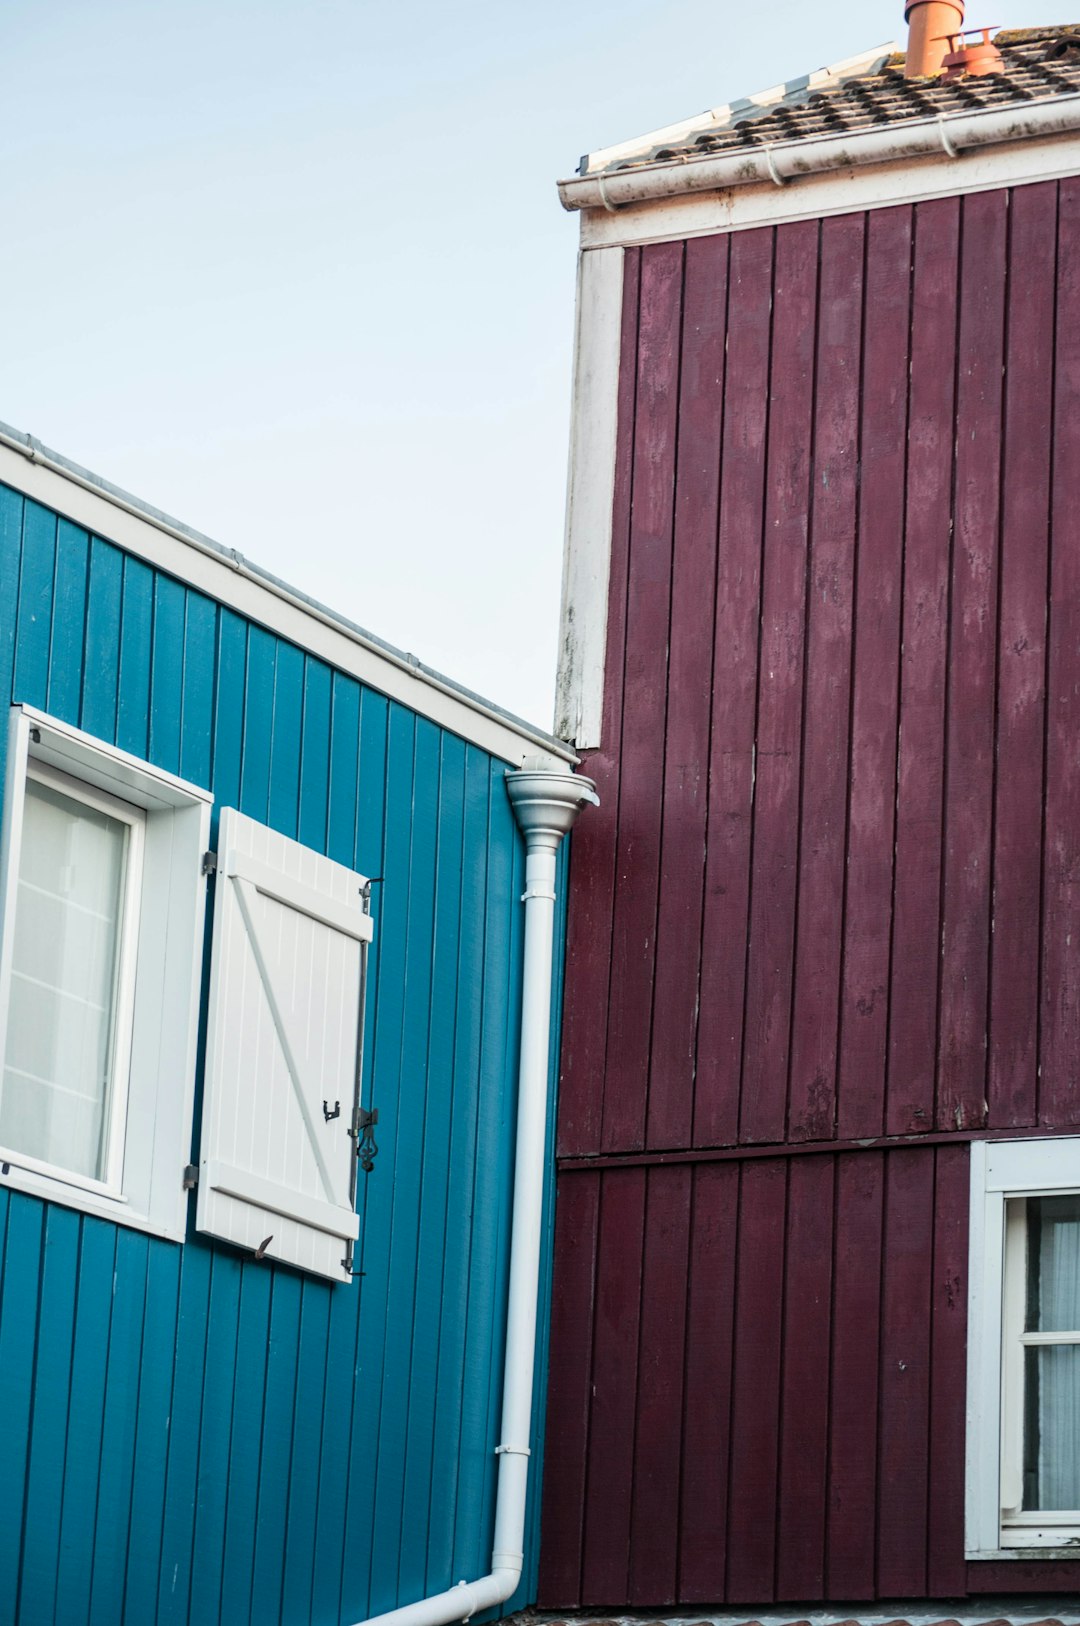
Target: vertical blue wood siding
[{"x": 190, "y": 1436}]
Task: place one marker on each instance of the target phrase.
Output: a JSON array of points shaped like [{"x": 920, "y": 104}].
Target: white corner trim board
[
  {"x": 579, "y": 691},
  {"x": 226, "y": 576},
  {"x": 546, "y": 801},
  {"x": 790, "y": 181}
]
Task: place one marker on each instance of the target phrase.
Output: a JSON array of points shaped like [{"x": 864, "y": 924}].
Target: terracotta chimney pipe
[{"x": 930, "y": 23}]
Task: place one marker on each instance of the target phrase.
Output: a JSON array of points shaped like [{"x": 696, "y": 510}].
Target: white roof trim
[
  {"x": 230, "y": 579},
  {"x": 947, "y": 136}
]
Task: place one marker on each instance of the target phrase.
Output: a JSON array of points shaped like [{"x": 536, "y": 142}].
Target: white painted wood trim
[
  {"x": 260, "y": 1193},
  {"x": 352, "y": 922},
  {"x": 1000, "y": 1170},
  {"x": 838, "y": 191},
  {"x": 579, "y": 694},
  {"x": 165, "y": 1014},
  {"x": 230, "y": 580}
]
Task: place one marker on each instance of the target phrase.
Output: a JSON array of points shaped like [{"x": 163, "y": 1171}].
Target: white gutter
[
  {"x": 783, "y": 161},
  {"x": 546, "y": 801}
]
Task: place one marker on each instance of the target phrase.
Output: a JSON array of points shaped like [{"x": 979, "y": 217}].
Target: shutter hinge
[
  {"x": 191, "y": 1176},
  {"x": 363, "y": 1133},
  {"x": 209, "y": 863}
]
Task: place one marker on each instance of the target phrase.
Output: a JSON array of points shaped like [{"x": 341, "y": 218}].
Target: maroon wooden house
[{"x": 816, "y": 1327}]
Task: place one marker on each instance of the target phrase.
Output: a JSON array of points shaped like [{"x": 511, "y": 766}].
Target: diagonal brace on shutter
[{"x": 245, "y": 892}]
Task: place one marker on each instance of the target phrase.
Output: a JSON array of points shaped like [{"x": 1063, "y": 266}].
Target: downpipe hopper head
[{"x": 547, "y": 799}]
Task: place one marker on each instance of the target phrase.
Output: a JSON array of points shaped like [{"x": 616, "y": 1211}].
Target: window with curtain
[
  {"x": 1041, "y": 1365},
  {"x": 63, "y": 1091}
]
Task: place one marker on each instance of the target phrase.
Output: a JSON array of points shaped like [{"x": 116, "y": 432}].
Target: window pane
[
  {"x": 1053, "y": 1302},
  {"x": 1052, "y": 1427},
  {"x": 57, "y": 1064}
]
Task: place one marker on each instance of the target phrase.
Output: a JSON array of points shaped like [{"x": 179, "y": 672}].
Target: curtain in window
[
  {"x": 57, "y": 1061},
  {"x": 1053, "y": 1375}
]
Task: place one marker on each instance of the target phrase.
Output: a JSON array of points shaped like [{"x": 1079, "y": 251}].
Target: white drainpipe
[{"x": 546, "y": 799}]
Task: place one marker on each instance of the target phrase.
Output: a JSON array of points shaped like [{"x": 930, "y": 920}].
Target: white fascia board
[
  {"x": 579, "y": 693},
  {"x": 231, "y": 580},
  {"x": 836, "y": 192}
]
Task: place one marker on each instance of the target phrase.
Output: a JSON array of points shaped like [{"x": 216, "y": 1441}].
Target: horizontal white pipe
[
  {"x": 784, "y": 161},
  {"x": 35, "y": 453},
  {"x": 546, "y": 801}
]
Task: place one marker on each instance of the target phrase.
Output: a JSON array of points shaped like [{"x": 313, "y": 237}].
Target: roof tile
[{"x": 1039, "y": 63}]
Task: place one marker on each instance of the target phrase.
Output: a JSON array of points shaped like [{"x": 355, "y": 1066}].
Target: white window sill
[{"x": 56, "y": 1190}]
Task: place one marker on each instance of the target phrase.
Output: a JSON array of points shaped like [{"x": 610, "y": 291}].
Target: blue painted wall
[{"x": 190, "y": 1435}]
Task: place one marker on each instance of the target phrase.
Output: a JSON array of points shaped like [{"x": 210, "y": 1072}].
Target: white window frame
[
  {"x": 156, "y": 1019},
  {"x": 1003, "y": 1174}
]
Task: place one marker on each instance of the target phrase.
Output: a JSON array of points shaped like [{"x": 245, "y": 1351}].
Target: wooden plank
[
  {"x": 180, "y": 1471},
  {"x": 344, "y": 763},
  {"x": 802, "y": 1497},
  {"x": 154, "y": 1420},
  {"x": 315, "y": 756},
  {"x": 283, "y": 807},
  {"x": 49, "y": 1415},
  {"x": 875, "y": 677},
  {"x": 197, "y": 699},
  {"x": 592, "y": 850},
  {"x": 113, "y": 1513},
  {"x": 771, "y": 945},
  {"x": 422, "y": 1472},
  {"x": 214, "y": 1428},
  {"x": 36, "y": 573},
  {"x": 824, "y": 789},
  {"x": 385, "y": 782},
  {"x": 756, "y": 1375},
  {"x": 103, "y": 644},
  {"x": 1021, "y": 698},
  {"x": 488, "y": 1263},
  {"x": 707, "y": 1412},
  {"x": 83, "y": 1455},
  {"x": 302, "y": 1511},
  {"x": 566, "y": 1449},
  {"x": 920, "y": 762},
  {"x": 609, "y": 1493},
  {"x": 946, "y": 1570},
  {"x": 645, "y": 682},
  {"x": 136, "y": 634},
  {"x": 167, "y": 673},
  {"x": 18, "y": 1326},
  {"x": 734, "y": 686},
  {"x": 229, "y": 711},
  {"x": 275, "y": 1446},
  {"x": 853, "y": 1398},
  {"x": 686, "y": 746},
  {"x": 1019, "y": 1575},
  {"x": 972, "y": 665},
  {"x": 249, "y": 1388},
  {"x": 904, "y": 1415},
  {"x": 258, "y": 712},
  {"x": 69, "y": 622},
  {"x": 1059, "y": 1083},
  {"x": 654, "y": 1523},
  {"x": 450, "y": 1377},
  {"x": 338, "y": 1422},
  {"x": 401, "y": 1548}
]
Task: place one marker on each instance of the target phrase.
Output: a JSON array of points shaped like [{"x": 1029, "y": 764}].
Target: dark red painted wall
[{"x": 832, "y": 894}]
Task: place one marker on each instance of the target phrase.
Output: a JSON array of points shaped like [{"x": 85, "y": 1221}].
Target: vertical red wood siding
[{"x": 832, "y": 893}]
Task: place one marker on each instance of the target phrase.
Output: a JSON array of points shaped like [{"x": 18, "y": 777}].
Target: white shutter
[{"x": 282, "y": 1038}]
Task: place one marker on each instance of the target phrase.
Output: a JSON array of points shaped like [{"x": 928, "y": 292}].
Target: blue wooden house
[{"x": 260, "y": 881}]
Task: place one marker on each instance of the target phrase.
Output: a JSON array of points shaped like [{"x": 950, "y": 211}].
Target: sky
[{"x": 295, "y": 272}]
